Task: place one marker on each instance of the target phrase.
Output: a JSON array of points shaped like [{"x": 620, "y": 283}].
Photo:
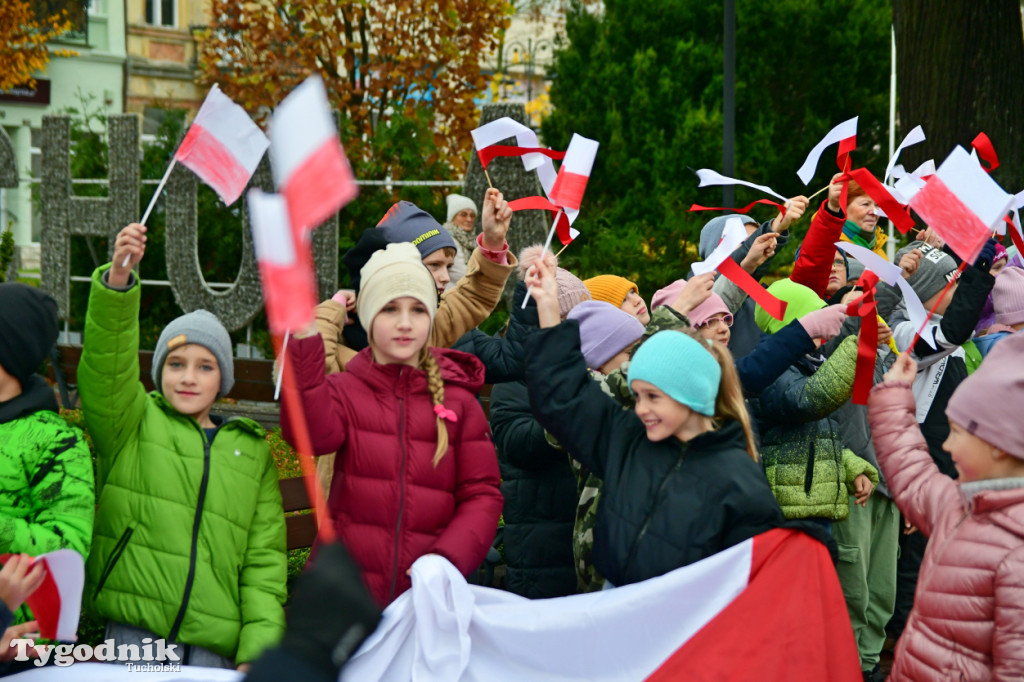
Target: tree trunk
[{"x": 959, "y": 71}]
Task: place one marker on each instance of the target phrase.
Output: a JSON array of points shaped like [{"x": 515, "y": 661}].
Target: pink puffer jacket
[{"x": 968, "y": 617}]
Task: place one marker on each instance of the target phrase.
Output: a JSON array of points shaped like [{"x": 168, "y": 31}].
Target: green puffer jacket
[
  {"x": 190, "y": 536},
  {"x": 809, "y": 470}
]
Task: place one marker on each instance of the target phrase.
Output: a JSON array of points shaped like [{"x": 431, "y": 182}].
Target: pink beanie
[
  {"x": 996, "y": 422},
  {"x": 1008, "y": 296},
  {"x": 697, "y": 316},
  {"x": 571, "y": 291},
  {"x": 666, "y": 295},
  {"x": 705, "y": 310}
]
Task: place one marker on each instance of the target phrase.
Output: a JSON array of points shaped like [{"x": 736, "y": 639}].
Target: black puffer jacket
[
  {"x": 540, "y": 499},
  {"x": 665, "y": 504}
]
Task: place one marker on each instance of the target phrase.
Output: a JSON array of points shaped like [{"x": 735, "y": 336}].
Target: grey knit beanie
[
  {"x": 936, "y": 270},
  {"x": 203, "y": 328}
]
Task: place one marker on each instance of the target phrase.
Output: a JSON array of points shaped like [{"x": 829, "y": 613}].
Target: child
[
  {"x": 808, "y": 467},
  {"x": 966, "y": 623},
  {"x": 661, "y": 509},
  {"x": 460, "y": 309},
  {"x": 619, "y": 292},
  {"x": 46, "y": 482},
  {"x": 190, "y": 535},
  {"x": 416, "y": 472}
]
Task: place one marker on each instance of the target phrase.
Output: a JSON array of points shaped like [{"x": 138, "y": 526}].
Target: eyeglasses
[{"x": 715, "y": 321}]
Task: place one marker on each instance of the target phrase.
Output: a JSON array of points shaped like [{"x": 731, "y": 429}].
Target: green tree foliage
[
  {"x": 6, "y": 252},
  {"x": 646, "y": 80}
]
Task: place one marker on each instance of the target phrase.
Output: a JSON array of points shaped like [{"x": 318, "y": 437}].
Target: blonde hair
[
  {"x": 436, "y": 386},
  {"x": 729, "y": 403}
]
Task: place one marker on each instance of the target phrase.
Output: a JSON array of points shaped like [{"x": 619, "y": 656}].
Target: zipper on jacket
[
  {"x": 115, "y": 556},
  {"x": 650, "y": 514},
  {"x": 809, "y": 471},
  {"x": 401, "y": 495},
  {"x": 173, "y": 635}
]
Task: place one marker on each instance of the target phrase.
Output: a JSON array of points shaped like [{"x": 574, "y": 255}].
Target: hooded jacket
[
  {"x": 389, "y": 503},
  {"x": 966, "y": 623},
  {"x": 664, "y": 504},
  {"x": 46, "y": 484},
  {"x": 190, "y": 535},
  {"x": 810, "y": 471}
]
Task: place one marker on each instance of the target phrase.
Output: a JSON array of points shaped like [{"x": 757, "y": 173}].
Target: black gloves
[
  {"x": 987, "y": 255},
  {"x": 330, "y": 613}
]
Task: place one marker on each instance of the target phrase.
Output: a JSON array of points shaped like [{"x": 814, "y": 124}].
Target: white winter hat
[{"x": 457, "y": 202}]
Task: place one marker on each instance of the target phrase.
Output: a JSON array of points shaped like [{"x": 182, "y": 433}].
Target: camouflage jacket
[{"x": 616, "y": 385}]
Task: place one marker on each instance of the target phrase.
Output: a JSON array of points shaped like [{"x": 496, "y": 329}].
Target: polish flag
[
  {"x": 309, "y": 163},
  {"x": 963, "y": 204},
  {"x": 57, "y": 603},
  {"x": 846, "y": 135},
  {"x": 286, "y": 263},
  {"x": 223, "y": 146},
  {"x": 769, "y": 608},
  {"x": 709, "y": 177},
  {"x": 893, "y": 170},
  {"x": 574, "y": 172}
]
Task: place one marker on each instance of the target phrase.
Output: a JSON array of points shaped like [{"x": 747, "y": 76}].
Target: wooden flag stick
[
  {"x": 562, "y": 249},
  {"x": 488, "y": 176},
  {"x": 819, "y": 191}
]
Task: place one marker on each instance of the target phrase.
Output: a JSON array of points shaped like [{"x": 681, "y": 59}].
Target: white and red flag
[
  {"x": 574, "y": 172},
  {"x": 223, "y": 146},
  {"x": 846, "y": 135},
  {"x": 57, "y": 603},
  {"x": 768, "y": 608},
  {"x": 720, "y": 259},
  {"x": 286, "y": 263},
  {"x": 963, "y": 204},
  {"x": 309, "y": 163}
]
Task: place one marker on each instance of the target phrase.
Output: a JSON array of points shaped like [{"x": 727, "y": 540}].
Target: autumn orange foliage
[
  {"x": 377, "y": 59},
  {"x": 23, "y": 38}
]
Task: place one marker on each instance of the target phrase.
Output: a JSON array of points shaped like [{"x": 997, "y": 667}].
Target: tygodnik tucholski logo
[{"x": 138, "y": 659}]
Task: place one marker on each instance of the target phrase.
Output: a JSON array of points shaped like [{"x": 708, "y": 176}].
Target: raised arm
[
  {"x": 563, "y": 397},
  {"x": 921, "y": 491},
  {"x": 319, "y": 396},
  {"x": 113, "y": 398}
]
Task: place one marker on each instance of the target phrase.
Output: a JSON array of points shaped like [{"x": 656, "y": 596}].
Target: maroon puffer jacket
[
  {"x": 968, "y": 617},
  {"x": 389, "y": 504}
]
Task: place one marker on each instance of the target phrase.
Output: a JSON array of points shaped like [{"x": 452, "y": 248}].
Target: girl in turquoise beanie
[{"x": 681, "y": 477}]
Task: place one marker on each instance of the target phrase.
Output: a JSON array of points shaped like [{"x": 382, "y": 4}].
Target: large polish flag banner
[
  {"x": 769, "y": 608},
  {"x": 223, "y": 146},
  {"x": 309, "y": 163}
]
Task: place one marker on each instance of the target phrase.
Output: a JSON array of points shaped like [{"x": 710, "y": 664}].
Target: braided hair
[{"x": 436, "y": 385}]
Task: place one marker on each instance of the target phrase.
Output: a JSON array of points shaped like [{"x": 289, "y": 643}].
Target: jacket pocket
[{"x": 115, "y": 556}]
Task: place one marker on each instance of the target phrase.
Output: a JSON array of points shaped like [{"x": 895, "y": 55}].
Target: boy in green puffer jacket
[
  {"x": 810, "y": 471},
  {"x": 46, "y": 484},
  {"x": 189, "y": 544}
]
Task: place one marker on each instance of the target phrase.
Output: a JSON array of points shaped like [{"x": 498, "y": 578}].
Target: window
[
  {"x": 76, "y": 13},
  {"x": 161, "y": 12},
  {"x": 97, "y": 8}
]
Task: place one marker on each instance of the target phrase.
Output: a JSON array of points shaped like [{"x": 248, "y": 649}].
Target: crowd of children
[{"x": 629, "y": 440}]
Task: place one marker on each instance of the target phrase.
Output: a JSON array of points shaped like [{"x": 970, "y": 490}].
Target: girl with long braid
[{"x": 415, "y": 471}]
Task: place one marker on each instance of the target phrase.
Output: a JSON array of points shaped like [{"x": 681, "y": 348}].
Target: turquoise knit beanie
[{"x": 680, "y": 366}]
